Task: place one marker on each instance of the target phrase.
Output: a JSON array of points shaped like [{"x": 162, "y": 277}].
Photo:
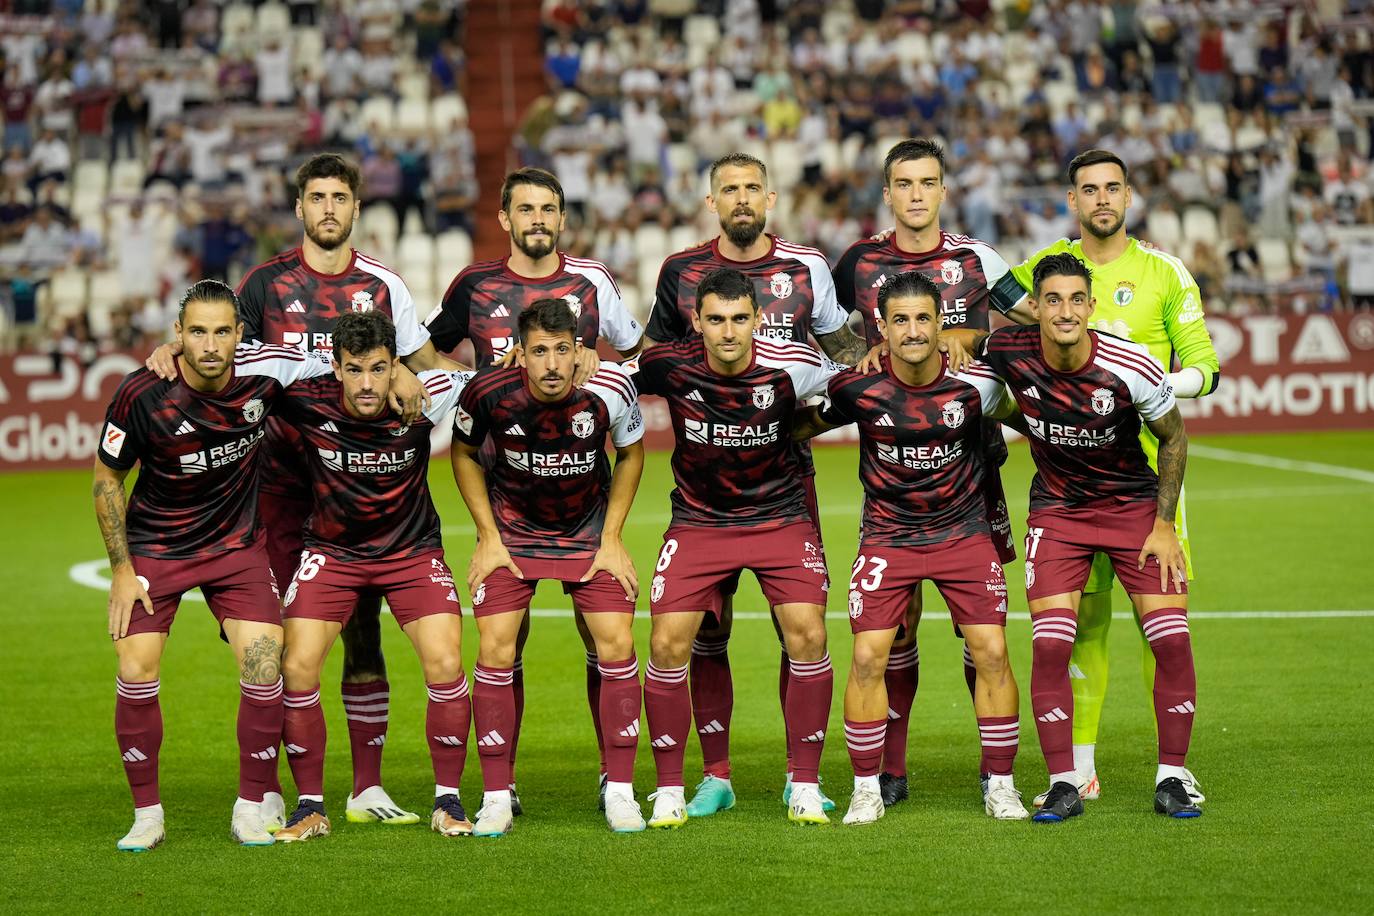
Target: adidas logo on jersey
[
  {"x": 696, "y": 396},
  {"x": 500, "y": 311},
  {"x": 515, "y": 430},
  {"x": 631, "y": 730},
  {"x": 884, "y": 420},
  {"x": 296, "y": 307},
  {"x": 329, "y": 427},
  {"x": 882, "y": 278},
  {"x": 1031, "y": 393},
  {"x": 133, "y": 755},
  {"x": 711, "y": 728},
  {"x": 450, "y": 740},
  {"x": 491, "y": 739},
  {"x": 1054, "y": 715},
  {"x": 1184, "y": 708},
  {"x": 185, "y": 428}
]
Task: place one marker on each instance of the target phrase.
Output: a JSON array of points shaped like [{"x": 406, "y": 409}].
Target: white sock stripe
[
  {"x": 1059, "y": 636},
  {"x": 261, "y": 691},
  {"x": 1160, "y": 634},
  {"x": 810, "y": 669},
  {"x": 1163, "y": 618},
  {"x": 625, "y": 672},
  {"x": 367, "y": 709},
  {"x": 448, "y": 694},
  {"x": 1053, "y": 628},
  {"x": 592, "y": 660},
  {"x": 382, "y": 695},
  {"x": 858, "y": 746},
  {"x": 999, "y": 731},
  {"x": 910, "y": 653},
  {"x": 1010, "y": 742},
  {"x": 374, "y": 720},
  {"x": 866, "y": 731},
  {"x": 709, "y": 647},
  {"x": 1067, "y": 621},
  {"x": 301, "y": 700},
  {"x": 668, "y": 676},
  {"x": 138, "y": 690},
  {"x": 493, "y": 677}
]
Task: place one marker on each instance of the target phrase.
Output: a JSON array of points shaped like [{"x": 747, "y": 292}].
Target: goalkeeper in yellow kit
[{"x": 1149, "y": 297}]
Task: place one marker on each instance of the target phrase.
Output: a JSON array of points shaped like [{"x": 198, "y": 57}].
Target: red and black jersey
[
  {"x": 734, "y": 461},
  {"x": 921, "y": 456},
  {"x": 792, "y": 282},
  {"x": 285, "y": 302},
  {"x": 485, "y": 300},
  {"x": 970, "y": 274},
  {"x": 1085, "y": 425},
  {"x": 550, "y": 481},
  {"x": 369, "y": 477},
  {"x": 196, "y": 493}
]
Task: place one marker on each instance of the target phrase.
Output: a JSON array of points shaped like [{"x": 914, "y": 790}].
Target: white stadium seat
[
  {"x": 1200, "y": 225},
  {"x": 273, "y": 19},
  {"x": 377, "y": 110},
  {"x": 444, "y": 109},
  {"x": 453, "y": 252},
  {"x": 1275, "y": 261},
  {"x": 1164, "y": 229}
]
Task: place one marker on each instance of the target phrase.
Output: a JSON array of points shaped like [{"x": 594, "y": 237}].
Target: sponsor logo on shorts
[
  {"x": 656, "y": 588},
  {"x": 856, "y": 604},
  {"x": 480, "y": 595},
  {"x": 1030, "y": 574}
]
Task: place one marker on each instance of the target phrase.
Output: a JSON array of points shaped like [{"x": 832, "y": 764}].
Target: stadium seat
[
  {"x": 651, "y": 243},
  {"x": 838, "y": 20},
  {"x": 784, "y": 164},
  {"x": 273, "y": 19},
  {"x": 106, "y": 288},
  {"x": 1205, "y": 113},
  {"x": 377, "y": 110},
  {"x": 1275, "y": 261},
  {"x": 1130, "y": 116},
  {"x": 234, "y": 25},
  {"x": 1164, "y": 229},
  {"x": 1251, "y": 137},
  {"x": 453, "y": 252},
  {"x": 681, "y": 158},
  {"x": 995, "y": 93},
  {"x": 701, "y": 32},
  {"x": 126, "y": 178},
  {"x": 308, "y": 47},
  {"x": 683, "y": 237},
  {"x": 380, "y": 226},
  {"x": 445, "y": 108},
  {"x": 412, "y": 116},
  {"x": 647, "y": 275},
  {"x": 67, "y": 292},
  {"x": 99, "y": 319},
  {"x": 832, "y": 157},
  {"x": 413, "y": 86},
  {"x": 91, "y": 176},
  {"x": 850, "y": 149},
  {"x": 1059, "y": 93},
  {"x": 1200, "y": 225}
]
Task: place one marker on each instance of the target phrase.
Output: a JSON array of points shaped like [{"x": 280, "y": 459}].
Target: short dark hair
[
  {"x": 911, "y": 284},
  {"x": 739, "y": 160},
  {"x": 1059, "y": 265},
  {"x": 550, "y": 315},
  {"x": 910, "y": 150},
  {"x": 328, "y": 165},
  {"x": 726, "y": 283},
  {"x": 538, "y": 177},
  {"x": 208, "y": 291},
  {"x": 1096, "y": 157},
  {"x": 363, "y": 332}
]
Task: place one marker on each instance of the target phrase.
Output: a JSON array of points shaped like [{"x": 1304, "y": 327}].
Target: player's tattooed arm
[
  {"x": 1163, "y": 541},
  {"x": 261, "y": 661},
  {"x": 110, "y": 512},
  {"x": 843, "y": 345}
]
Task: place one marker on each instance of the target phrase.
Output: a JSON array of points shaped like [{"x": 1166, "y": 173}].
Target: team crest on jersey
[
  {"x": 780, "y": 285},
  {"x": 575, "y": 304},
  {"x": 1103, "y": 401},
  {"x": 1124, "y": 293},
  {"x": 951, "y": 272},
  {"x": 401, "y": 430},
  {"x": 856, "y": 604},
  {"x": 953, "y": 414},
  {"x": 763, "y": 396},
  {"x": 656, "y": 589},
  {"x": 253, "y": 410},
  {"x": 583, "y": 424},
  {"x": 362, "y": 301}
]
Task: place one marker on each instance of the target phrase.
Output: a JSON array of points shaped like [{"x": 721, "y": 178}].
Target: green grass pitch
[{"x": 1283, "y": 742}]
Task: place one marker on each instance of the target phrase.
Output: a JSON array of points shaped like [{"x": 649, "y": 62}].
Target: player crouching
[
  {"x": 925, "y": 517},
  {"x": 551, "y": 508},
  {"x": 372, "y": 529}
]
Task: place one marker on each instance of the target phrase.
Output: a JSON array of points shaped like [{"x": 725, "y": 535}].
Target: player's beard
[
  {"x": 742, "y": 235},
  {"x": 1111, "y": 229},
  {"x": 330, "y": 244},
  {"x": 536, "y": 250}
]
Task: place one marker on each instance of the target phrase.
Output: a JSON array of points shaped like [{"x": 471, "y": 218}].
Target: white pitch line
[{"x": 1280, "y": 464}]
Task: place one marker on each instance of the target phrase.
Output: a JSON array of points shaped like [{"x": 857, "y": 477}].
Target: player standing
[
  {"x": 483, "y": 305},
  {"x": 923, "y": 467},
  {"x": 1085, "y": 396},
  {"x": 1149, "y": 297},
  {"x": 294, "y": 300},
  {"x": 796, "y": 299},
  {"x": 192, "y": 521},
  {"x": 971, "y": 276},
  {"x": 372, "y": 528},
  {"x": 550, "y": 507},
  {"x": 732, "y": 397}
]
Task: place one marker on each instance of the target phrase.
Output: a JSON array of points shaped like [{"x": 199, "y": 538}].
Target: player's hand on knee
[
  {"x": 585, "y": 364},
  {"x": 408, "y": 397},
  {"x": 491, "y": 554},
  {"x": 163, "y": 361},
  {"x": 873, "y": 359},
  {"x": 1163, "y": 545},
  {"x": 126, "y": 591},
  {"x": 613, "y": 558}
]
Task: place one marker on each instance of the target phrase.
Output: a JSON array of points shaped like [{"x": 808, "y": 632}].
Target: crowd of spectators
[
  {"x": 1246, "y": 125},
  {"x": 147, "y": 144}
]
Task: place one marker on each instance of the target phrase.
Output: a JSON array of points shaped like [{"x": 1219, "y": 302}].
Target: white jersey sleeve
[
  {"x": 826, "y": 313},
  {"x": 614, "y": 387},
  {"x": 616, "y": 325},
  {"x": 1142, "y": 374},
  {"x": 809, "y": 370},
  {"x": 285, "y": 364},
  {"x": 444, "y": 388},
  {"x": 993, "y": 394},
  {"x": 410, "y": 334},
  {"x": 1004, "y": 291}
]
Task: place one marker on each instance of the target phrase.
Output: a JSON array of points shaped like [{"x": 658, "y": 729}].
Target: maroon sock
[
  {"x": 1000, "y": 736},
  {"x": 865, "y": 741},
  {"x": 517, "y": 686},
  {"x": 668, "y": 708},
  {"x": 138, "y": 726},
  {"x": 808, "y": 714},
  {"x": 902, "y": 676},
  {"x": 1052, "y": 635},
  {"x": 594, "y": 704},
  {"x": 259, "y": 730},
  {"x": 493, "y": 713},
  {"x": 447, "y": 720},
  {"x": 713, "y": 702},
  {"x": 785, "y": 678},
  {"x": 303, "y": 733},
  {"x": 970, "y": 672},
  {"x": 1175, "y": 681},
  {"x": 619, "y": 697},
  {"x": 366, "y": 707}
]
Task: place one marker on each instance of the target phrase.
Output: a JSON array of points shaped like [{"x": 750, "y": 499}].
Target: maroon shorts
[
  {"x": 697, "y": 563},
  {"x": 237, "y": 584},
  {"x": 965, "y": 570},
  {"x": 284, "y": 519},
  {"x": 998, "y": 518},
  {"x": 1060, "y": 544},
  {"x": 502, "y": 592},
  {"x": 813, "y": 511},
  {"x": 328, "y": 588}
]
